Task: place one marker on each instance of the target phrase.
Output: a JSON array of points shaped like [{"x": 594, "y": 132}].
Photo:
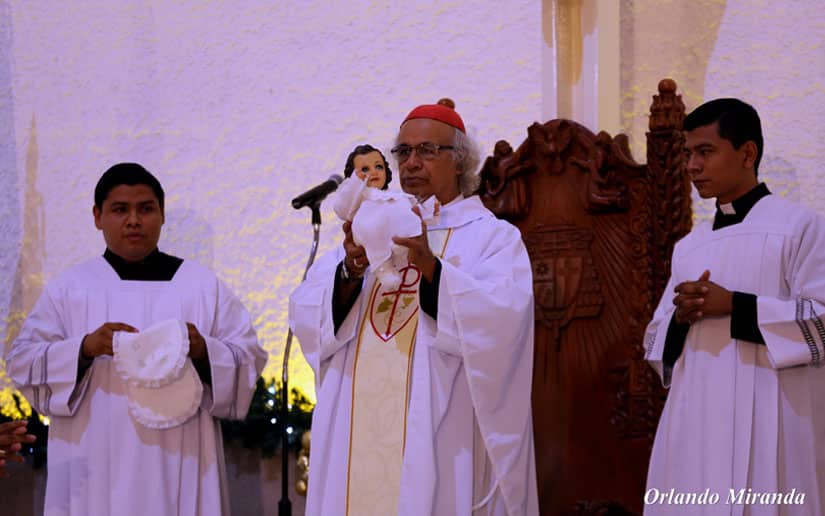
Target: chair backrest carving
[{"x": 600, "y": 230}]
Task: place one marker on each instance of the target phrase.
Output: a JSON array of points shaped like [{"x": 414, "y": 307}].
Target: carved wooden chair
[{"x": 600, "y": 229}]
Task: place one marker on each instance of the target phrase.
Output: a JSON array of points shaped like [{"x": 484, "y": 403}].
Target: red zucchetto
[{"x": 443, "y": 111}]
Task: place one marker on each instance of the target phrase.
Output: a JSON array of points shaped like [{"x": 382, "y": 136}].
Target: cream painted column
[{"x": 580, "y": 62}]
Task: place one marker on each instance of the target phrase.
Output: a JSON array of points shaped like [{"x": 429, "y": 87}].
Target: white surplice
[
  {"x": 741, "y": 415},
  {"x": 101, "y": 461},
  {"x": 469, "y": 437}
]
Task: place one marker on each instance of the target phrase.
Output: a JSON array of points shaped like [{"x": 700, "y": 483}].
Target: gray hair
[{"x": 467, "y": 159}]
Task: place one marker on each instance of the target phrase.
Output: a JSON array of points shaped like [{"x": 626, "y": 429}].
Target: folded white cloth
[
  {"x": 153, "y": 357},
  {"x": 163, "y": 388}
]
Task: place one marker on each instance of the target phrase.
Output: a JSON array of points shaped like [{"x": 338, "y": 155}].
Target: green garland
[{"x": 260, "y": 430}]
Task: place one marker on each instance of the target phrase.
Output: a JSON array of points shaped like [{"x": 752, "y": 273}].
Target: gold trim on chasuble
[{"x": 381, "y": 391}]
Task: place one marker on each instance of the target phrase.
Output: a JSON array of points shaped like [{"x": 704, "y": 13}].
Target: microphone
[{"x": 317, "y": 193}]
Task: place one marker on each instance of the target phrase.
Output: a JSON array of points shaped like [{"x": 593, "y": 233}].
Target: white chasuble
[
  {"x": 466, "y": 445},
  {"x": 102, "y": 461},
  {"x": 742, "y": 420},
  {"x": 380, "y": 392}
]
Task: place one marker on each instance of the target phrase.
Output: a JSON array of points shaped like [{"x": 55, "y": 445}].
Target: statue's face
[{"x": 371, "y": 167}]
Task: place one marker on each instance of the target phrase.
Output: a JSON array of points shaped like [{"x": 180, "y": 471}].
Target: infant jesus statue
[{"x": 378, "y": 215}]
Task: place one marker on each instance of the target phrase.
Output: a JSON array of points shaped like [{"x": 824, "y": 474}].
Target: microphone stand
[{"x": 284, "y": 505}]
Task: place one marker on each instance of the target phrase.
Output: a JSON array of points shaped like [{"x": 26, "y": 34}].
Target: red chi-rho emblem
[{"x": 391, "y": 310}]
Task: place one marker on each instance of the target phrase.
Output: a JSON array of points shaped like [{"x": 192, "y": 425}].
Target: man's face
[
  {"x": 437, "y": 176},
  {"x": 130, "y": 219},
  {"x": 716, "y": 168},
  {"x": 372, "y": 167}
]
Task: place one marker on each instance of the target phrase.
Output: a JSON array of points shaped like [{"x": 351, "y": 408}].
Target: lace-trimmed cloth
[{"x": 162, "y": 385}]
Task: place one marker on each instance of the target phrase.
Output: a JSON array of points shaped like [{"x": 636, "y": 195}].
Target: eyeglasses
[{"x": 425, "y": 151}]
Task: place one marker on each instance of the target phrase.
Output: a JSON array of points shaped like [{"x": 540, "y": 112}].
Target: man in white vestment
[
  {"x": 738, "y": 339},
  {"x": 107, "y": 456},
  {"x": 424, "y": 390}
]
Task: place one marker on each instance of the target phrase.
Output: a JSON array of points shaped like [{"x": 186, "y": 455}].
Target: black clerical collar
[
  {"x": 734, "y": 212},
  {"x": 155, "y": 267}
]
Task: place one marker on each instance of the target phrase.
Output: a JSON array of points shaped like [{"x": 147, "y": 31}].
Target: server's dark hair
[{"x": 126, "y": 174}]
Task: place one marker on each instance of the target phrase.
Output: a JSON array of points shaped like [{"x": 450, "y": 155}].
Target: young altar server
[
  {"x": 738, "y": 338},
  {"x": 125, "y": 440},
  {"x": 424, "y": 390}
]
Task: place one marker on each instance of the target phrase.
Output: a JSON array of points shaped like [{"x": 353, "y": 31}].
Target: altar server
[
  {"x": 116, "y": 447},
  {"x": 738, "y": 338}
]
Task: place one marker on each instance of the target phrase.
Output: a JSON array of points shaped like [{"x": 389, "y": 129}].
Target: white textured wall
[
  {"x": 775, "y": 59},
  {"x": 770, "y": 54},
  {"x": 236, "y": 107}
]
